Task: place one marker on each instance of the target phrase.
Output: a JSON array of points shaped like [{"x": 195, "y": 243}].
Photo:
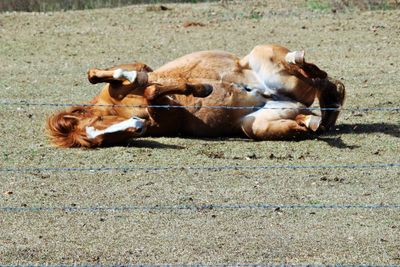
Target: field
[{"x": 142, "y": 204}]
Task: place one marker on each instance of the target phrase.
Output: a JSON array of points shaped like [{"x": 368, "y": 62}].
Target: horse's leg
[
  {"x": 183, "y": 88},
  {"x": 122, "y": 81},
  {"x": 279, "y": 124},
  {"x": 331, "y": 96},
  {"x": 118, "y": 76},
  {"x": 135, "y": 72}
]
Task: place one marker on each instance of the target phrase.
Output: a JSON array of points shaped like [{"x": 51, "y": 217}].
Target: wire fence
[
  {"x": 192, "y": 207},
  {"x": 198, "y": 168},
  {"x": 209, "y": 265},
  {"x": 362, "y": 109},
  {"x": 261, "y": 206}
]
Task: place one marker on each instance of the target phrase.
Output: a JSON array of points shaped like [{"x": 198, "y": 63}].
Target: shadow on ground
[
  {"x": 151, "y": 144},
  {"x": 357, "y": 128},
  {"x": 332, "y": 138}
]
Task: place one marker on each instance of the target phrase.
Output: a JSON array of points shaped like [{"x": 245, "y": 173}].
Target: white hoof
[{"x": 312, "y": 122}]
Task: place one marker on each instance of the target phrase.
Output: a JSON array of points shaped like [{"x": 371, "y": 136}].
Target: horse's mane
[{"x": 64, "y": 129}]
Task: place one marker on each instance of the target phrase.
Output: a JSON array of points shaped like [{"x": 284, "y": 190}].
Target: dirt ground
[{"x": 52, "y": 217}]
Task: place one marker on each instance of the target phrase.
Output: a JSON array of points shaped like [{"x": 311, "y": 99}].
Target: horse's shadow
[
  {"x": 332, "y": 138},
  {"x": 140, "y": 143},
  {"x": 367, "y": 128}
]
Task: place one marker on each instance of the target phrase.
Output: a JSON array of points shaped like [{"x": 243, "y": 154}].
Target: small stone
[
  {"x": 278, "y": 209},
  {"x": 252, "y": 156}
]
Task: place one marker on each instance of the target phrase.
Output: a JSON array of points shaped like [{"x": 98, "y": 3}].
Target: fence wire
[
  {"x": 205, "y": 265},
  {"x": 197, "y": 168},
  {"x": 363, "y": 109},
  {"x": 262, "y": 206},
  {"x": 194, "y": 208}
]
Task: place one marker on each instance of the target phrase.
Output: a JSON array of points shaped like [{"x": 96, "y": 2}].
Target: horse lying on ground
[{"x": 279, "y": 84}]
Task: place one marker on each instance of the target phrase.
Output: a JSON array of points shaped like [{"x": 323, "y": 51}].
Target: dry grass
[
  {"x": 44, "y": 58},
  {"x": 348, "y": 5},
  {"x": 54, "y": 5}
]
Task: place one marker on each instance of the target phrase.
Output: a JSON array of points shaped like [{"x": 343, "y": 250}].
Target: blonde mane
[{"x": 65, "y": 128}]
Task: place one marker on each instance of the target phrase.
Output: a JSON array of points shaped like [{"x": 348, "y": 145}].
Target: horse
[{"x": 264, "y": 96}]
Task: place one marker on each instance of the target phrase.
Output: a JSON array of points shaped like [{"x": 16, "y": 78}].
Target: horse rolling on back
[{"x": 277, "y": 83}]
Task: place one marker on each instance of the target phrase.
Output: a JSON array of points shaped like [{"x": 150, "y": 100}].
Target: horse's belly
[
  {"x": 212, "y": 123},
  {"x": 220, "y": 113}
]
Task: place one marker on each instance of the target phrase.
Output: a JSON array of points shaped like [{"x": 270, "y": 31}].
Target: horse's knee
[
  {"x": 151, "y": 92},
  {"x": 247, "y": 127}
]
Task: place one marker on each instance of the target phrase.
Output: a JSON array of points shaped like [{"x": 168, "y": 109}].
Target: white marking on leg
[
  {"x": 295, "y": 57},
  {"x": 117, "y": 73},
  {"x": 136, "y": 123},
  {"x": 290, "y": 57},
  {"x": 269, "y": 81},
  {"x": 272, "y": 82},
  {"x": 128, "y": 75},
  {"x": 277, "y": 109}
]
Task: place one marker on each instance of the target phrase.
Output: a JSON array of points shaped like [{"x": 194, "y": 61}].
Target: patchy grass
[
  {"x": 57, "y": 5},
  {"x": 44, "y": 58},
  {"x": 318, "y": 5},
  {"x": 348, "y": 5},
  {"x": 257, "y": 15}
]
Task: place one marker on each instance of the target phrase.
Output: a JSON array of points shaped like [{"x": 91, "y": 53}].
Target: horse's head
[{"x": 84, "y": 127}]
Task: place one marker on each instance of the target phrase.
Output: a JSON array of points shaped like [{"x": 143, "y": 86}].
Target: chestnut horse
[{"x": 266, "y": 95}]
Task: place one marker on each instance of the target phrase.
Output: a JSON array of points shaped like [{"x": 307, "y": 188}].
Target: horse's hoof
[
  {"x": 201, "y": 90},
  {"x": 332, "y": 97},
  {"x": 312, "y": 122}
]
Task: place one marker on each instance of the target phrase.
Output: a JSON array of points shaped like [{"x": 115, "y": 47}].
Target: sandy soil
[{"x": 44, "y": 59}]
